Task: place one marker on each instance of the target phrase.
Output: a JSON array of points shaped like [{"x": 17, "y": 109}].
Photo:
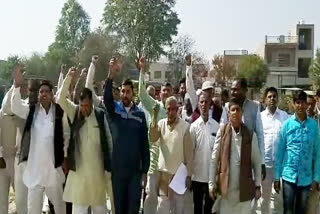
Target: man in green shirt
[{"x": 147, "y": 102}]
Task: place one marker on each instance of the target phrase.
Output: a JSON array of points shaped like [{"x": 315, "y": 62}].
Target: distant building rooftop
[{"x": 235, "y": 52}]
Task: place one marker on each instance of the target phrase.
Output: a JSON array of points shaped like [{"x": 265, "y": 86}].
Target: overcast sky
[{"x": 216, "y": 25}]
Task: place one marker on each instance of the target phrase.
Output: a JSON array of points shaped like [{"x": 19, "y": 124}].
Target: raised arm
[
  {"x": 146, "y": 100},
  {"x": 114, "y": 68},
  {"x": 18, "y": 107},
  {"x": 90, "y": 80},
  {"x": 68, "y": 107},
  {"x": 190, "y": 85},
  {"x": 79, "y": 86},
  {"x": 154, "y": 132}
]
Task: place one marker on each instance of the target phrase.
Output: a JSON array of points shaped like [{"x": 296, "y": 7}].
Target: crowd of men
[{"x": 82, "y": 144}]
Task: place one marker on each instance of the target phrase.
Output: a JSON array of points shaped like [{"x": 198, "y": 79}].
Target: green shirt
[{"x": 148, "y": 103}]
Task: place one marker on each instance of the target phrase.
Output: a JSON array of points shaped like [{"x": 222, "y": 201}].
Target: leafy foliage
[
  {"x": 314, "y": 71},
  {"x": 144, "y": 27}
]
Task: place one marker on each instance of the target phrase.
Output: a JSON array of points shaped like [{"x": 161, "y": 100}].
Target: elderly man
[
  {"x": 175, "y": 149},
  {"x": 148, "y": 102},
  {"x": 235, "y": 156}
]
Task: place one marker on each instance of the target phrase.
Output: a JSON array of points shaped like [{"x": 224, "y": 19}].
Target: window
[
  {"x": 284, "y": 60},
  {"x": 303, "y": 67},
  {"x": 157, "y": 74},
  {"x": 168, "y": 74}
]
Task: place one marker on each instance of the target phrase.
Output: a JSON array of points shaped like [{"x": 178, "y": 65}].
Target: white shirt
[
  {"x": 271, "y": 128},
  {"x": 203, "y": 138},
  {"x": 40, "y": 169}
]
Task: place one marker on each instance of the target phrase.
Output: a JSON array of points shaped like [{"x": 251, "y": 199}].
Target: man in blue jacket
[{"x": 131, "y": 156}]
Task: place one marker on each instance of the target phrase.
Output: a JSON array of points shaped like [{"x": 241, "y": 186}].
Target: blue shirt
[{"x": 297, "y": 158}]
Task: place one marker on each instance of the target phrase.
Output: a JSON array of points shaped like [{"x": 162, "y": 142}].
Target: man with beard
[
  {"x": 272, "y": 121},
  {"x": 131, "y": 155},
  {"x": 148, "y": 102}
]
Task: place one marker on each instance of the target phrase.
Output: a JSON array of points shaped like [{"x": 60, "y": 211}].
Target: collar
[
  {"x": 132, "y": 106},
  {"x": 275, "y": 113},
  {"x": 297, "y": 119},
  {"x": 171, "y": 127}
]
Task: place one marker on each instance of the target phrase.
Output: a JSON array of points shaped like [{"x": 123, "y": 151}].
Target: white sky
[{"x": 29, "y": 25}]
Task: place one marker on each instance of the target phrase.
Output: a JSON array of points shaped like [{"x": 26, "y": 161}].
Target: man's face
[
  {"x": 85, "y": 107},
  {"x": 166, "y": 91},
  {"x": 126, "y": 95},
  {"x": 172, "y": 111},
  {"x": 32, "y": 92},
  {"x": 311, "y": 102},
  {"x": 237, "y": 91},
  {"x": 152, "y": 92},
  {"x": 271, "y": 99},
  {"x": 182, "y": 89},
  {"x": 300, "y": 107},
  {"x": 45, "y": 95},
  {"x": 235, "y": 115},
  {"x": 204, "y": 104}
]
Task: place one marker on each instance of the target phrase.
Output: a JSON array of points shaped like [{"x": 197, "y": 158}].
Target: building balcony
[{"x": 281, "y": 39}]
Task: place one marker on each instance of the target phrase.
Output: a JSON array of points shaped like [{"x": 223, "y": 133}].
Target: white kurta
[
  {"x": 40, "y": 169},
  {"x": 231, "y": 203}
]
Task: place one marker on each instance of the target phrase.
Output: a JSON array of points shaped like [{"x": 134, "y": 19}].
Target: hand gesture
[
  {"x": 18, "y": 76},
  {"x": 83, "y": 74},
  {"x": 188, "y": 60},
  {"x": 94, "y": 59},
  {"x": 156, "y": 109},
  {"x": 142, "y": 64},
  {"x": 115, "y": 67},
  {"x": 63, "y": 68},
  {"x": 72, "y": 72}
]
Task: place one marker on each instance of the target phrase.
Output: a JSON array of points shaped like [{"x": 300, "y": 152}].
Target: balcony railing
[
  {"x": 235, "y": 52},
  {"x": 281, "y": 39}
]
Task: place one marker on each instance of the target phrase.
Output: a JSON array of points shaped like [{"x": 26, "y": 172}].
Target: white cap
[{"x": 206, "y": 85}]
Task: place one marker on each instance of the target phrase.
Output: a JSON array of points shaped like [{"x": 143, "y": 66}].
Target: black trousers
[
  {"x": 200, "y": 192},
  {"x": 127, "y": 192}
]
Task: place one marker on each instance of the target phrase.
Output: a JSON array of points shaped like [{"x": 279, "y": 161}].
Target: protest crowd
[{"x": 80, "y": 145}]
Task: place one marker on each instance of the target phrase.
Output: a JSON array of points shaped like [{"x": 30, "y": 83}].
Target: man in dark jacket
[{"x": 131, "y": 157}]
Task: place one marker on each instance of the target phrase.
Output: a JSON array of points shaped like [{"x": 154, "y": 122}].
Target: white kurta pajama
[
  {"x": 40, "y": 174},
  {"x": 87, "y": 185},
  {"x": 231, "y": 203}
]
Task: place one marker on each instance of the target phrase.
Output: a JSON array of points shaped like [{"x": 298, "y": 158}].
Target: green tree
[
  {"x": 105, "y": 46},
  {"x": 224, "y": 69},
  {"x": 7, "y": 66},
  {"x": 254, "y": 70},
  {"x": 180, "y": 48},
  {"x": 73, "y": 28},
  {"x": 314, "y": 71},
  {"x": 144, "y": 27}
]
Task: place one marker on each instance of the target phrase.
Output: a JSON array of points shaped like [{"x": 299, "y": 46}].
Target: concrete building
[
  {"x": 235, "y": 56},
  {"x": 289, "y": 57}
]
